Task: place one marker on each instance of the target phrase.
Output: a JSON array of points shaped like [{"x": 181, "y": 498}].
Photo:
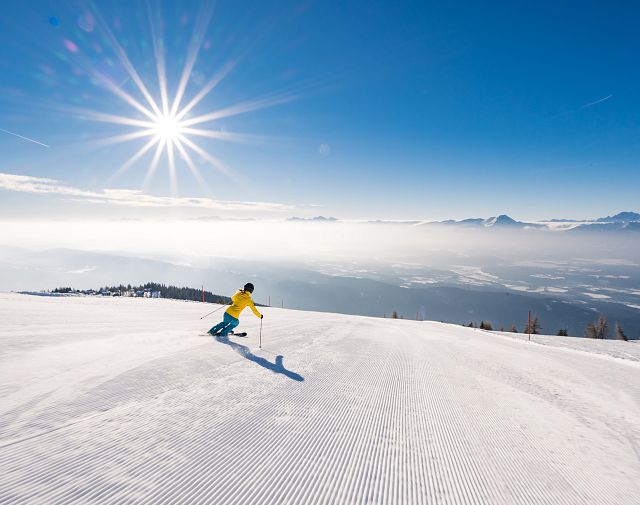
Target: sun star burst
[{"x": 165, "y": 125}]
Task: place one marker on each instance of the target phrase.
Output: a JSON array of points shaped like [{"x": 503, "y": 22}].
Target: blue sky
[{"x": 390, "y": 110}]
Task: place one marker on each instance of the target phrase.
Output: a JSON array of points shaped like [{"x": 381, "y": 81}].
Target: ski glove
[{"x": 261, "y": 316}]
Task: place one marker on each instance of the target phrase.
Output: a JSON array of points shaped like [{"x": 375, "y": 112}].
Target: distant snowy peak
[
  {"x": 623, "y": 221},
  {"x": 609, "y": 226},
  {"x": 316, "y": 219},
  {"x": 622, "y": 217},
  {"x": 501, "y": 221}
]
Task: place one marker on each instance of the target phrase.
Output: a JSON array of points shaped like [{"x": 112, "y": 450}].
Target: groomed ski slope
[{"x": 125, "y": 401}]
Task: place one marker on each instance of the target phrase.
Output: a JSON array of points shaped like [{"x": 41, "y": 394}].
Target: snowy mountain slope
[{"x": 122, "y": 400}]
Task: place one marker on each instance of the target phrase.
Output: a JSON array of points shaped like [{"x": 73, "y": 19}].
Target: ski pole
[
  {"x": 260, "y": 345},
  {"x": 213, "y": 311}
]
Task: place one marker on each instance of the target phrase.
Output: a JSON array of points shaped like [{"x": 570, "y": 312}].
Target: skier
[{"x": 240, "y": 300}]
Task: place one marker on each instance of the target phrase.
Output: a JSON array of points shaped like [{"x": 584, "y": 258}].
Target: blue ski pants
[{"x": 227, "y": 325}]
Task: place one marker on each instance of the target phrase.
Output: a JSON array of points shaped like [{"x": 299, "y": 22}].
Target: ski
[{"x": 239, "y": 334}]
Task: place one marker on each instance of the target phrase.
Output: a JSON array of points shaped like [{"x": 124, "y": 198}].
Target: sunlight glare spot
[{"x": 167, "y": 128}]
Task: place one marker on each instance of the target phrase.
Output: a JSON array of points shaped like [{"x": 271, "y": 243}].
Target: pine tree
[
  {"x": 620, "y": 333},
  {"x": 394, "y": 315},
  {"x": 486, "y": 325},
  {"x": 602, "y": 327},
  {"x": 513, "y": 329},
  {"x": 471, "y": 325},
  {"x": 562, "y": 332},
  {"x": 535, "y": 326}
]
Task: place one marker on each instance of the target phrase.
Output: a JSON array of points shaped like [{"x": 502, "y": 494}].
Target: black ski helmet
[{"x": 248, "y": 287}]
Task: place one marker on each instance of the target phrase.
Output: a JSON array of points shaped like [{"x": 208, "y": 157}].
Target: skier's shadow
[{"x": 276, "y": 367}]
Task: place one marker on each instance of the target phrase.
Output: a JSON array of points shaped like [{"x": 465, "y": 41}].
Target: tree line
[
  {"x": 168, "y": 291},
  {"x": 598, "y": 329}
]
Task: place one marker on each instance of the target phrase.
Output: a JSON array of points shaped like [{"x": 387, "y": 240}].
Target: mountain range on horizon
[
  {"x": 625, "y": 220},
  {"x": 622, "y": 221}
]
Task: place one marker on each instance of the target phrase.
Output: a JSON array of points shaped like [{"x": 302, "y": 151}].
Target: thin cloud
[
  {"x": 127, "y": 197},
  {"x": 596, "y": 102}
]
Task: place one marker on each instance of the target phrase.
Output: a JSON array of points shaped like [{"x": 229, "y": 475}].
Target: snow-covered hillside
[{"x": 125, "y": 401}]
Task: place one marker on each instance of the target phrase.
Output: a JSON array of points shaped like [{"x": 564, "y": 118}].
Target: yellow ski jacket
[{"x": 240, "y": 300}]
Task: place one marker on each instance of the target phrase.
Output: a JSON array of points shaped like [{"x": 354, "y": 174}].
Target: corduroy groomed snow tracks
[{"x": 334, "y": 410}]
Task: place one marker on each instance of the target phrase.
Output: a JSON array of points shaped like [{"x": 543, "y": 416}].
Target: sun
[
  {"x": 168, "y": 129},
  {"x": 169, "y": 123}
]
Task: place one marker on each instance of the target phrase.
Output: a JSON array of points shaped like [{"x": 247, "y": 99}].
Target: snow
[
  {"x": 597, "y": 296},
  {"x": 123, "y": 400},
  {"x": 605, "y": 349},
  {"x": 474, "y": 275}
]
